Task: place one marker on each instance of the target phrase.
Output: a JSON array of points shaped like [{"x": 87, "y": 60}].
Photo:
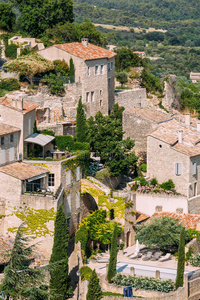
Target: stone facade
[
  {"x": 9, "y": 147},
  {"x": 131, "y": 98},
  {"x": 96, "y": 77}
]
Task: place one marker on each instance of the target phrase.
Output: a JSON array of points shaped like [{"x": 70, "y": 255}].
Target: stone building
[
  {"x": 137, "y": 122},
  {"x": 173, "y": 152},
  {"x": 133, "y": 98},
  {"x": 20, "y": 114},
  {"x": 94, "y": 73}
]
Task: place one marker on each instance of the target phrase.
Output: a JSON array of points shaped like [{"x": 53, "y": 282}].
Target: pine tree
[
  {"x": 181, "y": 260},
  {"x": 94, "y": 288},
  {"x": 20, "y": 279},
  {"x": 81, "y": 127},
  {"x": 59, "y": 281},
  {"x": 113, "y": 256}
]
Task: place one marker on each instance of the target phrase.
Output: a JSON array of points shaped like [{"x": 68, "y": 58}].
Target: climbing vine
[
  {"x": 36, "y": 221},
  {"x": 87, "y": 189},
  {"x": 118, "y": 206},
  {"x": 81, "y": 159}
]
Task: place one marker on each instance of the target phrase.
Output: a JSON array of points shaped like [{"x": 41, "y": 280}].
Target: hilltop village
[{"x": 117, "y": 163}]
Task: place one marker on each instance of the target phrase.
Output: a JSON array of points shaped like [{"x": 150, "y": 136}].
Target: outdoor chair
[
  {"x": 148, "y": 256},
  {"x": 156, "y": 255},
  {"x": 166, "y": 257},
  {"x": 136, "y": 255}
]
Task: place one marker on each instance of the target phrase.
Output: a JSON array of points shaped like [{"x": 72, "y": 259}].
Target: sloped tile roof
[
  {"x": 8, "y": 101},
  {"x": 22, "y": 170},
  {"x": 141, "y": 217},
  {"x": 86, "y": 53},
  {"x": 149, "y": 114},
  {"x": 189, "y": 220},
  {"x": 7, "y": 129},
  {"x": 168, "y": 132}
]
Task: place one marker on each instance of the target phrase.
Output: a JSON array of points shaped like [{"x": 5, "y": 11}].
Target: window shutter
[
  {"x": 194, "y": 165},
  {"x": 68, "y": 203},
  {"x": 180, "y": 169},
  {"x": 176, "y": 168}
]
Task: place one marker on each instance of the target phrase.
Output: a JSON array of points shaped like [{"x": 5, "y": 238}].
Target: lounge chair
[
  {"x": 166, "y": 257},
  {"x": 103, "y": 260},
  {"x": 148, "y": 256},
  {"x": 136, "y": 255},
  {"x": 156, "y": 255}
]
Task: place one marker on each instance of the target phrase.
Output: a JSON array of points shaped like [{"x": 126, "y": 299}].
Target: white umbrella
[{"x": 137, "y": 246}]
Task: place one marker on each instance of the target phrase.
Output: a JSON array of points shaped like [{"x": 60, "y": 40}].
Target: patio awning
[
  {"x": 37, "y": 177},
  {"x": 39, "y": 139}
]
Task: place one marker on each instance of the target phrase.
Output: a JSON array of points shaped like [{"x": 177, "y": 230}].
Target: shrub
[
  {"x": 63, "y": 141},
  {"x": 61, "y": 67},
  {"x": 142, "y": 181},
  {"x": 143, "y": 167},
  {"x": 146, "y": 283},
  {"x": 9, "y": 84},
  {"x": 86, "y": 273},
  {"x": 121, "y": 246},
  {"x": 55, "y": 83},
  {"x": 47, "y": 132},
  {"x": 168, "y": 185},
  {"x": 122, "y": 77},
  {"x": 11, "y": 51},
  {"x": 82, "y": 235},
  {"x": 195, "y": 260},
  {"x": 48, "y": 158},
  {"x": 154, "y": 182}
]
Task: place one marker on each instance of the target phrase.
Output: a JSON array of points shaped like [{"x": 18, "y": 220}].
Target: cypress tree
[
  {"x": 59, "y": 281},
  {"x": 113, "y": 256},
  {"x": 71, "y": 70},
  {"x": 94, "y": 288},
  {"x": 181, "y": 260},
  {"x": 81, "y": 126}
]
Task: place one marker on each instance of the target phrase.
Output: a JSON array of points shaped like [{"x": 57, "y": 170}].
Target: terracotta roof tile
[
  {"x": 149, "y": 114},
  {"x": 7, "y": 129},
  {"x": 86, "y": 53},
  {"x": 22, "y": 170},
  {"x": 9, "y": 102},
  {"x": 141, "y": 217},
  {"x": 189, "y": 220},
  {"x": 168, "y": 132}
]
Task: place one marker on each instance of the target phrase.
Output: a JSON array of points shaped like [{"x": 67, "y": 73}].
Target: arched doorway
[{"x": 128, "y": 239}]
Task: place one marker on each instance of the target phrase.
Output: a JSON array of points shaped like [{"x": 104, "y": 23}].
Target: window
[
  {"x": 101, "y": 69},
  {"x": 111, "y": 65},
  {"x": 2, "y": 141},
  {"x": 68, "y": 203},
  {"x": 78, "y": 173},
  {"x": 96, "y": 69},
  {"x": 77, "y": 200},
  {"x": 92, "y": 96},
  {"x": 109, "y": 83},
  {"x": 100, "y": 92},
  {"x": 68, "y": 177},
  {"x": 88, "y": 71},
  {"x": 87, "y": 97},
  {"x": 194, "y": 168},
  {"x": 100, "y": 102},
  {"x": 51, "y": 180},
  {"x": 178, "y": 169},
  {"x": 195, "y": 188},
  {"x": 108, "y": 67},
  {"x": 2, "y": 156},
  {"x": 11, "y": 138}
]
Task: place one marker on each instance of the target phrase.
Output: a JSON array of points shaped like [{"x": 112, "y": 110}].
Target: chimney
[
  {"x": 180, "y": 136},
  {"x": 84, "y": 42},
  {"x": 19, "y": 103},
  {"x": 14, "y": 104},
  {"x": 198, "y": 127},
  {"x": 187, "y": 119}
]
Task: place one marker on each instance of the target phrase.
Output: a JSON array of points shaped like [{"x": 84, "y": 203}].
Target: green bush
[
  {"x": 142, "y": 181},
  {"x": 55, "y": 84},
  {"x": 11, "y": 51},
  {"x": 143, "y": 167},
  {"x": 82, "y": 235},
  {"x": 61, "y": 67},
  {"x": 48, "y": 158},
  {"x": 63, "y": 141},
  {"x": 153, "y": 182},
  {"x": 47, "y": 132},
  {"x": 80, "y": 146},
  {"x": 168, "y": 185},
  {"x": 195, "y": 260},
  {"x": 146, "y": 283},
  {"x": 86, "y": 273},
  {"x": 9, "y": 84}
]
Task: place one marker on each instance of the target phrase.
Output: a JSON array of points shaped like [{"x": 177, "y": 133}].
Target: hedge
[
  {"x": 146, "y": 283},
  {"x": 86, "y": 273},
  {"x": 9, "y": 84},
  {"x": 63, "y": 141}
]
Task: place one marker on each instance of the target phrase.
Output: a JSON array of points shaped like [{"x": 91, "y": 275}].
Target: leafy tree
[
  {"x": 113, "y": 256},
  {"x": 151, "y": 82},
  {"x": 38, "y": 15},
  {"x": 81, "y": 126},
  {"x": 62, "y": 67},
  {"x": 11, "y": 51},
  {"x": 160, "y": 232},
  {"x": 181, "y": 260},
  {"x": 122, "y": 77},
  {"x": 20, "y": 279},
  {"x": 94, "y": 288},
  {"x": 7, "y": 16},
  {"x": 59, "y": 281},
  {"x": 126, "y": 58},
  {"x": 55, "y": 84}
]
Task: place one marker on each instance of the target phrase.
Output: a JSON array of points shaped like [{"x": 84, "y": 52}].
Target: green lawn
[{"x": 112, "y": 294}]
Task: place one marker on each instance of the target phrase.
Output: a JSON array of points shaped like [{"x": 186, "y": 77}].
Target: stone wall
[
  {"x": 150, "y": 203},
  {"x": 193, "y": 288},
  {"x": 171, "y": 99},
  {"x": 112, "y": 182},
  {"x": 131, "y": 98},
  {"x": 194, "y": 205}
]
